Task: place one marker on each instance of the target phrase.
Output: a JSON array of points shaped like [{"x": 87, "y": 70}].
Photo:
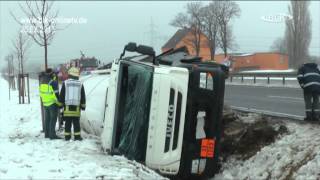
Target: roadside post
[
  {"x": 23, "y": 90},
  {"x": 41, "y": 105}
]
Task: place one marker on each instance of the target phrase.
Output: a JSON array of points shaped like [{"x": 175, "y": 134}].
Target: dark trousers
[
  {"x": 69, "y": 121},
  {"x": 311, "y": 100},
  {"x": 50, "y": 113}
]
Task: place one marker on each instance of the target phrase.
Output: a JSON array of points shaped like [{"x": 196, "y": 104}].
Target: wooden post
[
  {"x": 19, "y": 87},
  {"x": 41, "y": 107},
  {"x": 9, "y": 79},
  {"x": 59, "y": 113},
  {"x": 28, "y": 88},
  {"x": 9, "y": 92},
  {"x": 23, "y": 89}
]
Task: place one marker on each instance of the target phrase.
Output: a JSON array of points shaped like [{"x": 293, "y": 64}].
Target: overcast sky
[{"x": 110, "y": 25}]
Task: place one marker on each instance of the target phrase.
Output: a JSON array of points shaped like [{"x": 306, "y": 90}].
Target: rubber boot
[
  {"x": 77, "y": 138},
  {"x": 309, "y": 116},
  {"x": 67, "y": 137}
]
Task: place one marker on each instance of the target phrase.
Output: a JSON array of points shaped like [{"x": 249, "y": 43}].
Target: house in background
[
  {"x": 256, "y": 61},
  {"x": 239, "y": 61},
  {"x": 184, "y": 37}
]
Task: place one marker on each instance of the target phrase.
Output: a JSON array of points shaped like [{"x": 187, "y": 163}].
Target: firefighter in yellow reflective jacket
[
  {"x": 73, "y": 98},
  {"x": 49, "y": 94}
]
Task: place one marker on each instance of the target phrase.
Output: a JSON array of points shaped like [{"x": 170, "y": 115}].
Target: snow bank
[
  {"x": 26, "y": 154},
  {"x": 293, "y": 156}
]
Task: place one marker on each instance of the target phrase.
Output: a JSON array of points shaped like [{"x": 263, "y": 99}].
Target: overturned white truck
[{"x": 164, "y": 111}]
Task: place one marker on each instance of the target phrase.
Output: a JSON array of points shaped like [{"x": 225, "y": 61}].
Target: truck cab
[{"x": 165, "y": 111}]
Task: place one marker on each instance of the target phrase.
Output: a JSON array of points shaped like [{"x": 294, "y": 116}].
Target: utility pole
[
  {"x": 152, "y": 33},
  {"x": 9, "y": 77}
]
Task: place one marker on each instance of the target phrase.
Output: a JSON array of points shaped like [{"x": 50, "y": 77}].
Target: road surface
[{"x": 279, "y": 100}]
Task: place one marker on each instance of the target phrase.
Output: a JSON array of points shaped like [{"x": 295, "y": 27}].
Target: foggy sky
[{"x": 110, "y": 25}]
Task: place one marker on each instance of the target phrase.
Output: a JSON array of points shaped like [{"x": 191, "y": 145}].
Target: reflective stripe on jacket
[{"x": 71, "y": 111}]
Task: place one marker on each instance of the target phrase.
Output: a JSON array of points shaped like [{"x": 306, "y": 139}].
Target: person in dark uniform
[
  {"x": 73, "y": 98},
  {"x": 309, "y": 80}
]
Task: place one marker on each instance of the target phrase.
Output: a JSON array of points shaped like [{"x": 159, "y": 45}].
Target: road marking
[
  {"x": 286, "y": 97},
  {"x": 279, "y": 114}
]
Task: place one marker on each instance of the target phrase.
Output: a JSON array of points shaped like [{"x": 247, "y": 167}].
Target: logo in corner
[{"x": 277, "y": 18}]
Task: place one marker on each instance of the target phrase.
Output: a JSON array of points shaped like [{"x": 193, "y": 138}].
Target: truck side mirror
[
  {"x": 147, "y": 50},
  {"x": 142, "y": 49},
  {"x": 131, "y": 47}
]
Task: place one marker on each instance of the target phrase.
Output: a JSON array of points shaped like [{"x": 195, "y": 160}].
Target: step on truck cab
[{"x": 165, "y": 111}]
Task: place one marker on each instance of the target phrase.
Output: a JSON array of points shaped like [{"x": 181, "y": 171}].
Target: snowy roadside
[
  {"x": 295, "y": 155},
  {"x": 26, "y": 154}
]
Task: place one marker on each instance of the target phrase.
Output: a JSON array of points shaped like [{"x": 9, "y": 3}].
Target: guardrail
[{"x": 282, "y": 75}]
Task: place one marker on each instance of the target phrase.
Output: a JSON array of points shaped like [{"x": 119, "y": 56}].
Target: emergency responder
[
  {"x": 309, "y": 80},
  {"x": 73, "y": 98},
  {"x": 49, "y": 94}
]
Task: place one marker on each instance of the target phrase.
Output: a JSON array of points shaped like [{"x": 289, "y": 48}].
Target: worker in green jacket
[{"x": 49, "y": 94}]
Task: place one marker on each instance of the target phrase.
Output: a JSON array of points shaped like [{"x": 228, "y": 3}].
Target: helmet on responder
[{"x": 74, "y": 72}]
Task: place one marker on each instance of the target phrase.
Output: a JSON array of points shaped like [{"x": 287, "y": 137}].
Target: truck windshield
[{"x": 133, "y": 101}]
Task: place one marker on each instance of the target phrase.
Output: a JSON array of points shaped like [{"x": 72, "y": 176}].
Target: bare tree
[
  {"x": 279, "y": 45},
  {"x": 298, "y": 32},
  {"x": 9, "y": 70},
  {"x": 10, "y": 67},
  {"x": 41, "y": 19},
  {"x": 228, "y": 10},
  {"x": 21, "y": 45},
  {"x": 211, "y": 26},
  {"x": 191, "y": 20}
]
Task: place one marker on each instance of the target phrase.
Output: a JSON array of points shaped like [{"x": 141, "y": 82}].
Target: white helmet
[{"x": 74, "y": 72}]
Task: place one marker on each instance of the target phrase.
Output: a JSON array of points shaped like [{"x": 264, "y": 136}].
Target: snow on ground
[
  {"x": 295, "y": 155},
  {"x": 26, "y": 154}
]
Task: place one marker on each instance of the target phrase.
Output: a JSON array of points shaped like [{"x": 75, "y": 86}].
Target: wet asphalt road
[{"x": 280, "y": 100}]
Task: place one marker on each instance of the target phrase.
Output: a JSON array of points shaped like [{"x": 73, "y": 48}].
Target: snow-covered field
[{"x": 26, "y": 154}]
